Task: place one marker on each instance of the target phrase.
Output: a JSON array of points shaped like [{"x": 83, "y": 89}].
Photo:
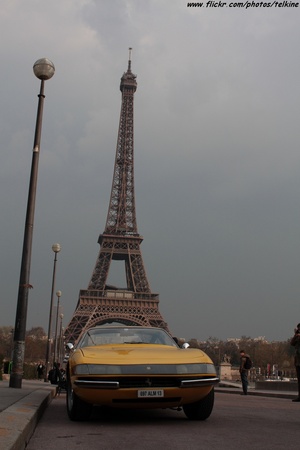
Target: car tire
[
  {"x": 202, "y": 409},
  {"x": 77, "y": 409}
]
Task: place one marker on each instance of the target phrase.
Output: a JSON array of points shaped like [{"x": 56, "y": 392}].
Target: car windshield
[{"x": 125, "y": 335}]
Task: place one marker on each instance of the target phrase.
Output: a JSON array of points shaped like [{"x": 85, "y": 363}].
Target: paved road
[{"x": 237, "y": 422}]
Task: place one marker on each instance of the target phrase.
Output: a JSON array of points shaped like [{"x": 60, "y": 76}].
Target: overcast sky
[{"x": 217, "y": 160}]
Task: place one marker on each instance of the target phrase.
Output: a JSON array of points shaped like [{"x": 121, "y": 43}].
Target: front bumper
[{"x": 145, "y": 383}]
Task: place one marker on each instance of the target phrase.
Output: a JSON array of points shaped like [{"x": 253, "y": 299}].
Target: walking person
[
  {"x": 54, "y": 374},
  {"x": 40, "y": 371},
  {"x": 295, "y": 342},
  {"x": 245, "y": 365}
]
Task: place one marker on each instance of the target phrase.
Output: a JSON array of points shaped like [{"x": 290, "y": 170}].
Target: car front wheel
[
  {"x": 77, "y": 409},
  {"x": 202, "y": 409}
]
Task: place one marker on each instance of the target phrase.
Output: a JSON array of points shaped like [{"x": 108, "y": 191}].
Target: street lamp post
[
  {"x": 56, "y": 249},
  {"x": 60, "y": 351},
  {"x": 44, "y": 70},
  {"x": 58, "y": 294}
]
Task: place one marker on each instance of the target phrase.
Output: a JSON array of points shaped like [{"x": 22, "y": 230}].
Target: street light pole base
[{"x": 15, "y": 380}]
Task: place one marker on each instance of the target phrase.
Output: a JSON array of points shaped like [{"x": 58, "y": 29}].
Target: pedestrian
[
  {"x": 40, "y": 371},
  {"x": 245, "y": 365},
  {"x": 295, "y": 342},
  {"x": 54, "y": 374}
]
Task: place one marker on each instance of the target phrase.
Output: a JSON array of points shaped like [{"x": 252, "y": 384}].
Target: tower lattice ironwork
[{"x": 101, "y": 303}]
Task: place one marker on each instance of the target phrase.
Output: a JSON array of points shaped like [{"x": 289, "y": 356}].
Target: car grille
[{"x": 148, "y": 382}]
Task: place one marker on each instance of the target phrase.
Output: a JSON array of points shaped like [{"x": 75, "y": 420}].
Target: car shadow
[{"x": 114, "y": 415}]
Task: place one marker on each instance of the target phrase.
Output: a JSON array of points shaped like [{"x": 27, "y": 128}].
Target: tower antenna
[{"x": 129, "y": 58}]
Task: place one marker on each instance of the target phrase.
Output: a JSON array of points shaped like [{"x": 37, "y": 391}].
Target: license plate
[{"x": 146, "y": 393}]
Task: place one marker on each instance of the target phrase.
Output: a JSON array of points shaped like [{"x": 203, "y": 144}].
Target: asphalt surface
[{"x": 21, "y": 409}]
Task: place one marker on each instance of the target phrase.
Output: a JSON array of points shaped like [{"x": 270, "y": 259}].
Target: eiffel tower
[{"x": 102, "y": 303}]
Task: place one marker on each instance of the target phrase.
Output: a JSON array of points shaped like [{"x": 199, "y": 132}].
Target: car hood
[{"x": 139, "y": 354}]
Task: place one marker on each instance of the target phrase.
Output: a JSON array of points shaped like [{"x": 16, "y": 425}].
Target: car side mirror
[{"x": 185, "y": 345}]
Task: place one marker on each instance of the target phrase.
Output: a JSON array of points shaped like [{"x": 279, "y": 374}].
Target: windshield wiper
[{"x": 91, "y": 338}]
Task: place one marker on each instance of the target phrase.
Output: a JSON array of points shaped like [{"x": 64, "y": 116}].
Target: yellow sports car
[{"x": 138, "y": 367}]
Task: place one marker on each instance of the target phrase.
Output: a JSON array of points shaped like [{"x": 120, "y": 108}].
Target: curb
[{"x": 21, "y": 419}]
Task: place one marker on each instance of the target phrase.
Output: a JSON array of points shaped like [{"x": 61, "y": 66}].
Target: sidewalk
[
  {"x": 21, "y": 409},
  {"x": 236, "y": 388}
]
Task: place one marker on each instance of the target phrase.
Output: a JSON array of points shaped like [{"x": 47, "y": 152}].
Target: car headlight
[
  {"x": 96, "y": 369},
  {"x": 194, "y": 369}
]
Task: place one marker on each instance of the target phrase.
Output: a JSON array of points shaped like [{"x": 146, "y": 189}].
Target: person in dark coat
[
  {"x": 40, "y": 371},
  {"x": 295, "y": 342},
  {"x": 244, "y": 371},
  {"x": 54, "y": 374}
]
